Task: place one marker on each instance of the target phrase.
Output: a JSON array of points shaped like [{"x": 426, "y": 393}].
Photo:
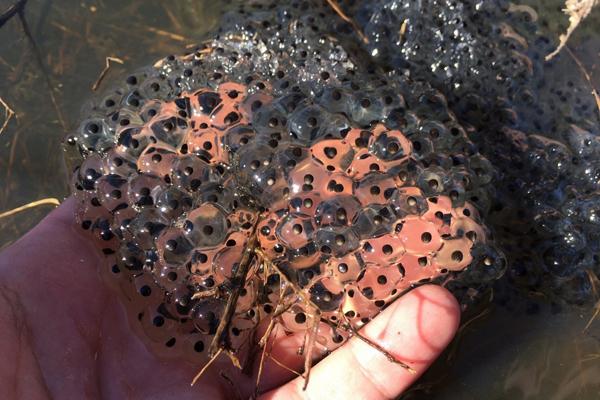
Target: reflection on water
[{"x": 529, "y": 351}]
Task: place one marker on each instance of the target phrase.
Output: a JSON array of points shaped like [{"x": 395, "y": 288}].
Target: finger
[{"x": 414, "y": 329}]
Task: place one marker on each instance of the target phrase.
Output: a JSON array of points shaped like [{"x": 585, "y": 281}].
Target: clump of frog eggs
[{"x": 340, "y": 190}]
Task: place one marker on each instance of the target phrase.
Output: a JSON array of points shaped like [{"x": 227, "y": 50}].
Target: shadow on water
[{"x": 527, "y": 350}]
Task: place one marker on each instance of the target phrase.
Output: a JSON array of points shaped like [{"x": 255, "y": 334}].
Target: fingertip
[
  {"x": 439, "y": 318},
  {"x": 427, "y": 318}
]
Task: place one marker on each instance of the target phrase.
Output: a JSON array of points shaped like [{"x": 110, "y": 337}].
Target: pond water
[{"x": 531, "y": 351}]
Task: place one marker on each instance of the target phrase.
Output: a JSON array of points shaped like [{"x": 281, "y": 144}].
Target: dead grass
[
  {"x": 108, "y": 60},
  {"x": 334, "y": 5},
  {"x": 577, "y": 10},
  {"x": 587, "y": 77},
  {"x": 48, "y": 201},
  {"x": 9, "y": 113}
]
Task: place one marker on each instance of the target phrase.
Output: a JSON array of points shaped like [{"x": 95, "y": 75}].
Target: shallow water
[
  {"x": 532, "y": 352},
  {"x": 73, "y": 38}
]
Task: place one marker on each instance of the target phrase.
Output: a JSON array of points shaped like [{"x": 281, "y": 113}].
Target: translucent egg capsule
[
  {"x": 259, "y": 172},
  {"x": 87, "y": 174},
  {"x": 95, "y": 136},
  {"x": 206, "y": 225},
  {"x": 334, "y": 154},
  {"x": 173, "y": 203},
  {"x": 132, "y": 141},
  {"x": 408, "y": 201},
  {"x": 207, "y": 144},
  {"x": 307, "y": 124},
  {"x": 142, "y": 190},
  {"x": 118, "y": 163},
  {"x": 143, "y": 227},
  {"x": 189, "y": 172},
  {"x": 206, "y": 314},
  {"x": 111, "y": 191},
  {"x": 326, "y": 294},
  {"x": 373, "y": 221},
  {"x": 375, "y": 188},
  {"x": 295, "y": 231},
  {"x": 337, "y": 241},
  {"x": 339, "y": 211},
  {"x": 173, "y": 246},
  {"x": 157, "y": 160},
  {"x": 169, "y": 129},
  {"x": 379, "y": 283}
]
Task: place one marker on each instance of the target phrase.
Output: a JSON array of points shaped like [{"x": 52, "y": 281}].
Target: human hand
[{"x": 65, "y": 335}]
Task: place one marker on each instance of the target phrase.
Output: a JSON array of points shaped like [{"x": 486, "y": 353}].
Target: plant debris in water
[
  {"x": 577, "y": 10},
  {"x": 8, "y": 115}
]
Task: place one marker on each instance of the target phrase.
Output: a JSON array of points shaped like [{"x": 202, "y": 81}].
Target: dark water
[
  {"x": 74, "y": 38},
  {"x": 527, "y": 353}
]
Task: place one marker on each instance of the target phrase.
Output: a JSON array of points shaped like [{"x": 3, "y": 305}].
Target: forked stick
[
  {"x": 310, "y": 336},
  {"x": 264, "y": 341},
  {"x": 208, "y": 364},
  {"x": 297, "y": 289},
  {"x": 280, "y": 308}
]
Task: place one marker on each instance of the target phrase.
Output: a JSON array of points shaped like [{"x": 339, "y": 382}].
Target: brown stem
[{"x": 238, "y": 280}]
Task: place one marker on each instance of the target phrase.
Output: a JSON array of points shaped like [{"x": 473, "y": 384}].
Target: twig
[
  {"x": 594, "y": 281},
  {"x": 12, "y": 11},
  {"x": 264, "y": 341},
  {"x": 105, "y": 70},
  {"x": 9, "y": 114},
  {"x": 19, "y": 9},
  {"x": 333, "y": 4},
  {"x": 590, "y": 357},
  {"x": 174, "y": 21},
  {"x": 587, "y": 76},
  {"x": 577, "y": 10},
  {"x": 170, "y": 35},
  {"x": 377, "y": 347},
  {"x": 65, "y": 29},
  {"x": 282, "y": 365},
  {"x": 238, "y": 280},
  {"x": 199, "y": 374},
  {"x": 402, "y": 30},
  {"x": 48, "y": 201}
]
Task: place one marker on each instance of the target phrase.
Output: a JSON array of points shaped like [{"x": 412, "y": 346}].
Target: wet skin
[{"x": 65, "y": 335}]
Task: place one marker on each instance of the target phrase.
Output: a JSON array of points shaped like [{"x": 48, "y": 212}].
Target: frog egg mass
[{"x": 286, "y": 172}]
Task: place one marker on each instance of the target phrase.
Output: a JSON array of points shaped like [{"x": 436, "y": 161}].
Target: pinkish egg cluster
[
  {"x": 175, "y": 203},
  {"x": 353, "y": 235},
  {"x": 271, "y": 174}
]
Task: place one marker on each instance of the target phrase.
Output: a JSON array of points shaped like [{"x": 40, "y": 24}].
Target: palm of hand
[{"x": 67, "y": 336}]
